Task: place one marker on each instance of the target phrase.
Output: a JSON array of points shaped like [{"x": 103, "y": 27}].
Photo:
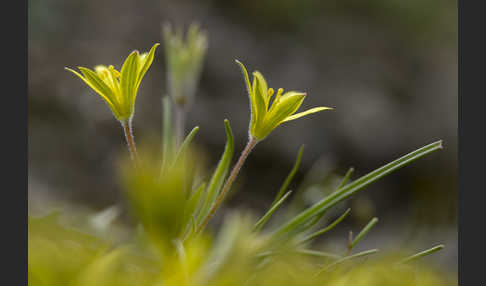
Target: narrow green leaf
[
  {"x": 194, "y": 200},
  {"x": 363, "y": 232},
  {"x": 351, "y": 188},
  {"x": 346, "y": 258},
  {"x": 326, "y": 229},
  {"x": 309, "y": 252},
  {"x": 219, "y": 174},
  {"x": 318, "y": 253},
  {"x": 182, "y": 150},
  {"x": 261, "y": 222},
  {"x": 290, "y": 176},
  {"x": 318, "y": 216},
  {"x": 422, "y": 254},
  {"x": 346, "y": 177},
  {"x": 192, "y": 205}
]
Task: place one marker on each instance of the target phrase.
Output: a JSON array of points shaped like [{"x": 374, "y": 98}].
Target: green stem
[
  {"x": 180, "y": 122},
  {"x": 227, "y": 185},
  {"x": 127, "y": 129},
  {"x": 167, "y": 137}
]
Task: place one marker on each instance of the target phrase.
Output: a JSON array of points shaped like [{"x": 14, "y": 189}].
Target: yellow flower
[
  {"x": 266, "y": 117},
  {"x": 119, "y": 89}
]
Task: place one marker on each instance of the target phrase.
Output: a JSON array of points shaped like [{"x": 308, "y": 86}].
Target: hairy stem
[
  {"x": 227, "y": 185},
  {"x": 127, "y": 129}
]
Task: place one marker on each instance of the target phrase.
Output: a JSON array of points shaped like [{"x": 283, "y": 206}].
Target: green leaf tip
[
  {"x": 421, "y": 254},
  {"x": 219, "y": 174},
  {"x": 349, "y": 189},
  {"x": 346, "y": 258},
  {"x": 261, "y": 222},
  {"x": 363, "y": 232},
  {"x": 290, "y": 176},
  {"x": 326, "y": 229}
]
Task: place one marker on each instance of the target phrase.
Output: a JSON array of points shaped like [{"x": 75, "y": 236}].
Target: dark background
[{"x": 389, "y": 67}]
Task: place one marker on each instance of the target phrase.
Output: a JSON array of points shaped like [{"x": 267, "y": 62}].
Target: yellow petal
[
  {"x": 144, "y": 62},
  {"x": 99, "y": 87},
  {"x": 287, "y": 105},
  {"x": 96, "y": 83},
  {"x": 245, "y": 74},
  {"x": 262, "y": 88},
  {"x": 109, "y": 77},
  {"x": 128, "y": 80},
  {"x": 250, "y": 93},
  {"x": 258, "y": 102},
  {"x": 304, "y": 113}
]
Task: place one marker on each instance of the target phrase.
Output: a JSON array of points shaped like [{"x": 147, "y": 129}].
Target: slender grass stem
[
  {"x": 227, "y": 185},
  {"x": 180, "y": 122},
  {"x": 127, "y": 129}
]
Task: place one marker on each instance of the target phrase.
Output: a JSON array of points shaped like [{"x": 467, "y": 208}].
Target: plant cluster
[{"x": 173, "y": 200}]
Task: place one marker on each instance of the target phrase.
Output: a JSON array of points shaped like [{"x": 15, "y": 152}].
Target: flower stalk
[
  {"x": 128, "y": 130},
  {"x": 119, "y": 89},
  {"x": 265, "y": 117},
  {"x": 229, "y": 182}
]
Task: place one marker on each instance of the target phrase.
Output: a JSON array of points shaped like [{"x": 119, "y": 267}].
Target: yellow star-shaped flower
[
  {"x": 265, "y": 117},
  {"x": 119, "y": 89}
]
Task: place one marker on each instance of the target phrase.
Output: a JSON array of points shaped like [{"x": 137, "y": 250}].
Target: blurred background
[{"x": 389, "y": 67}]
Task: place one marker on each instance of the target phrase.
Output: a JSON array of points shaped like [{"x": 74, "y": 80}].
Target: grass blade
[
  {"x": 422, "y": 254},
  {"x": 261, "y": 222},
  {"x": 191, "y": 208},
  {"x": 193, "y": 202},
  {"x": 351, "y": 188},
  {"x": 290, "y": 176},
  {"x": 318, "y": 253},
  {"x": 309, "y": 252},
  {"x": 346, "y": 177},
  {"x": 219, "y": 174},
  {"x": 363, "y": 232},
  {"x": 182, "y": 150},
  {"x": 326, "y": 229},
  {"x": 346, "y": 258},
  {"x": 318, "y": 217}
]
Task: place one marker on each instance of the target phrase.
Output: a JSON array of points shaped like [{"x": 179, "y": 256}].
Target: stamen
[
  {"x": 114, "y": 71},
  {"x": 270, "y": 92}
]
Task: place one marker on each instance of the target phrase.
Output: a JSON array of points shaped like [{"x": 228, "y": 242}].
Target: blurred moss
[{"x": 59, "y": 255}]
